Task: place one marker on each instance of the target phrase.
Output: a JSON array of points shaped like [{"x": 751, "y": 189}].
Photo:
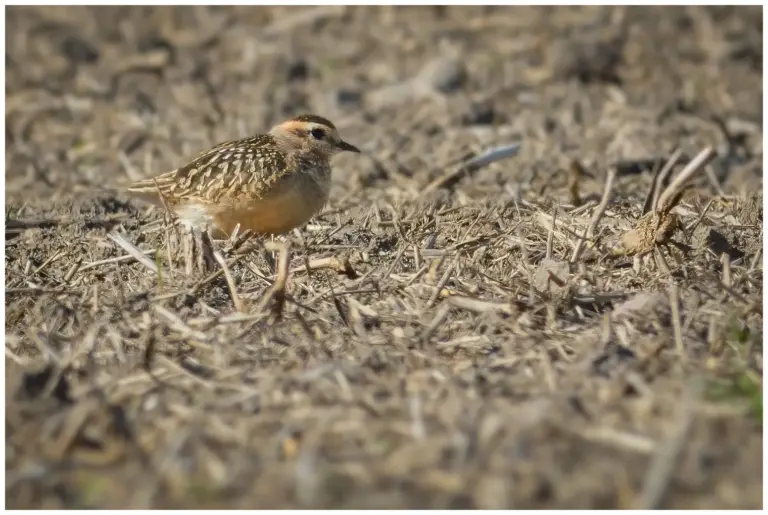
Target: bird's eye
[{"x": 317, "y": 133}]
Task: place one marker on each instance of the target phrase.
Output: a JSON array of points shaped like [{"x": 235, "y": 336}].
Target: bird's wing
[{"x": 227, "y": 169}]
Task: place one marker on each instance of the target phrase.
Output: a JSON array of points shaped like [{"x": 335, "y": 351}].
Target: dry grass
[{"x": 443, "y": 335}]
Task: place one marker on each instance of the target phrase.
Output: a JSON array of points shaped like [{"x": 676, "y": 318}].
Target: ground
[{"x": 462, "y": 356}]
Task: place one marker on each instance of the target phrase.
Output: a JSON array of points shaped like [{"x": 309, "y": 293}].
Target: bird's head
[{"x": 311, "y": 133}]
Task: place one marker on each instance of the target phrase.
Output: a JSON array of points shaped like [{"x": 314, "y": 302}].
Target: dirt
[{"x": 459, "y": 358}]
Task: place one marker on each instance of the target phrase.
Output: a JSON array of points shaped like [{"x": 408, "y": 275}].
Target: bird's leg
[
  {"x": 209, "y": 248},
  {"x": 205, "y": 259},
  {"x": 275, "y": 295},
  {"x": 188, "y": 239}
]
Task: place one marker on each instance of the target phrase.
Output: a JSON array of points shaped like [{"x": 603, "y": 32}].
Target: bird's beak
[{"x": 343, "y": 145}]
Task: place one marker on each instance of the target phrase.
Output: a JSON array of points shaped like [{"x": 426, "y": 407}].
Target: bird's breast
[{"x": 280, "y": 210}]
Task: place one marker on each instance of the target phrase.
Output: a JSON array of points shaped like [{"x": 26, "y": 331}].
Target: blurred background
[{"x": 102, "y": 95}]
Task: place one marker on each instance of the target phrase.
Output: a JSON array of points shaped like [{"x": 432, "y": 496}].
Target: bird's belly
[{"x": 273, "y": 215}]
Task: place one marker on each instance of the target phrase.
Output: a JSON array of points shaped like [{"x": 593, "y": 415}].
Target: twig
[
  {"x": 119, "y": 259},
  {"x": 480, "y": 306},
  {"x": 659, "y": 180},
  {"x": 303, "y": 17},
  {"x": 726, "y": 262},
  {"x": 131, "y": 249},
  {"x": 736, "y": 295},
  {"x": 590, "y": 231},
  {"x": 72, "y": 270},
  {"x": 698, "y": 220},
  {"x": 230, "y": 282},
  {"x": 756, "y": 259},
  {"x": 441, "y": 283},
  {"x": 698, "y": 162},
  {"x": 612, "y": 437},
  {"x": 179, "y": 324},
  {"x": 442, "y": 314},
  {"x": 168, "y": 252},
  {"x": 55, "y": 291},
  {"x": 227, "y": 319},
  {"x": 714, "y": 181},
  {"x": 332, "y": 262},
  {"x": 233, "y": 236},
  {"x": 551, "y": 235},
  {"x": 48, "y": 261},
  {"x": 215, "y": 275}
]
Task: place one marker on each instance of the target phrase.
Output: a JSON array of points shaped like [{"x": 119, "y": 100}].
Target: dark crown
[{"x": 311, "y": 118}]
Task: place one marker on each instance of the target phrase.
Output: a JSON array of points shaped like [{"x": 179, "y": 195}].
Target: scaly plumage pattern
[{"x": 246, "y": 166}]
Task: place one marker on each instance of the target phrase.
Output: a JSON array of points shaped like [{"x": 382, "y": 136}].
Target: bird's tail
[{"x": 153, "y": 189}]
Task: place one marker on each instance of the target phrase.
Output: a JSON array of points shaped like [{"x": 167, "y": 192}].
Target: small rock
[
  {"x": 298, "y": 70},
  {"x": 479, "y": 114},
  {"x": 78, "y": 50},
  {"x": 348, "y": 97},
  {"x": 595, "y": 62},
  {"x": 550, "y": 125},
  {"x": 446, "y": 75}
]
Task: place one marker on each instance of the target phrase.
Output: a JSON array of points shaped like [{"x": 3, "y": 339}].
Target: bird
[{"x": 268, "y": 184}]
